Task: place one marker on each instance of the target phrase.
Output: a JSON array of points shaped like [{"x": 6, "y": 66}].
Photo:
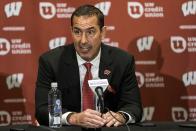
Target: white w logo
[
  {"x": 13, "y": 9},
  {"x": 14, "y": 80},
  {"x": 56, "y": 42},
  {"x": 189, "y": 8},
  {"x": 148, "y": 113},
  {"x": 104, "y": 7},
  {"x": 189, "y": 78},
  {"x": 145, "y": 43}
]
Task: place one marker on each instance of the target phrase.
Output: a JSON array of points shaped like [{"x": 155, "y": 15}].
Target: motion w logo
[
  {"x": 104, "y": 7},
  {"x": 13, "y": 9},
  {"x": 189, "y": 8},
  {"x": 145, "y": 43},
  {"x": 14, "y": 80},
  {"x": 189, "y": 78},
  {"x": 148, "y": 113},
  {"x": 56, "y": 42}
]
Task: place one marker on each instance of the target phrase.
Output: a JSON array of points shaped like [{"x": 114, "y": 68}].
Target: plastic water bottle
[{"x": 54, "y": 106}]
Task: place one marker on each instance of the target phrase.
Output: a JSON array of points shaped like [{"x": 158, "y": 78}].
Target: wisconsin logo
[
  {"x": 14, "y": 80},
  {"x": 13, "y": 9},
  {"x": 135, "y": 9},
  {"x": 145, "y": 43},
  {"x": 47, "y": 10},
  {"x": 189, "y": 78},
  {"x": 4, "y": 46},
  {"x": 148, "y": 113},
  {"x": 178, "y": 44},
  {"x": 104, "y": 7},
  {"x": 189, "y": 8},
  {"x": 179, "y": 114},
  {"x": 56, "y": 42}
]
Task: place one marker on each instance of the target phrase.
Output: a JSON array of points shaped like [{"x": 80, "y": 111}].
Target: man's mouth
[{"x": 85, "y": 48}]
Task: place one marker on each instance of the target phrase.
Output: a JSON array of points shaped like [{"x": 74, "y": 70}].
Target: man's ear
[{"x": 103, "y": 32}]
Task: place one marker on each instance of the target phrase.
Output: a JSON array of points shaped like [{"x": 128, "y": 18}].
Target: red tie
[{"x": 88, "y": 100}]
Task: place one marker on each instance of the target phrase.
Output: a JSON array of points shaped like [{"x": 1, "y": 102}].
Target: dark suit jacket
[{"x": 61, "y": 65}]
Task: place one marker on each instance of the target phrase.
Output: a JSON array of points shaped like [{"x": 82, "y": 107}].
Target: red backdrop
[{"x": 161, "y": 34}]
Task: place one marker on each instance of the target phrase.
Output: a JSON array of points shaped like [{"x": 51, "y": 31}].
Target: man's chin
[{"x": 85, "y": 57}]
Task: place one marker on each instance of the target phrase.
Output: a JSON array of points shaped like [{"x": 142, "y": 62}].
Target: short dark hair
[{"x": 89, "y": 10}]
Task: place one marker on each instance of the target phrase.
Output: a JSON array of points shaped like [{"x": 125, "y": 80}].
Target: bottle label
[
  {"x": 57, "y": 108},
  {"x": 57, "y": 120}
]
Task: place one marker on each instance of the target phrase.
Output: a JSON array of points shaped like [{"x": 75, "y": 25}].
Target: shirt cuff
[
  {"x": 64, "y": 118},
  {"x": 130, "y": 119}
]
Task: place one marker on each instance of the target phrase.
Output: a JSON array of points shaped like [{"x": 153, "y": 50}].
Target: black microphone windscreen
[{"x": 99, "y": 91}]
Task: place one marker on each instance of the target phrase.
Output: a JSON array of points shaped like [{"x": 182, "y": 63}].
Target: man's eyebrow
[
  {"x": 90, "y": 28},
  {"x": 84, "y": 29},
  {"x": 76, "y": 28}
]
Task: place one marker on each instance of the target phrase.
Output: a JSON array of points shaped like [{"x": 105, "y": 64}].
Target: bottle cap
[{"x": 54, "y": 84}]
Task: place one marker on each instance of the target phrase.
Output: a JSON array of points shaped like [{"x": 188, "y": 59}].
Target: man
[{"x": 65, "y": 65}]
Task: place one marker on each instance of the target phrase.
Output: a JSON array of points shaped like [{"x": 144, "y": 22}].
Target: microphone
[
  {"x": 100, "y": 102},
  {"x": 99, "y": 91}
]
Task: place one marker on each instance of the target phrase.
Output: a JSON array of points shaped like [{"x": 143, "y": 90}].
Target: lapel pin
[{"x": 107, "y": 72}]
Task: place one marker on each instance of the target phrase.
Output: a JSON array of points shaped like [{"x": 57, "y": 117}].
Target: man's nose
[{"x": 83, "y": 38}]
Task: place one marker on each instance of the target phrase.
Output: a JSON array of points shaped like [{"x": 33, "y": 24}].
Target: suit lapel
[
  {"x": 105, "y": 69},
  {"x": 68, "y": 70}
]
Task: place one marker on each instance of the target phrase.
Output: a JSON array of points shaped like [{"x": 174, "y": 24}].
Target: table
[{"x": 158, "y": 126}]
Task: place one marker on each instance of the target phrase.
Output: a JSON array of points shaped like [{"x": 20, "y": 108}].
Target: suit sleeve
[
  {"x": 44, "y": 78},
  {"x": 130, "y": 100}
]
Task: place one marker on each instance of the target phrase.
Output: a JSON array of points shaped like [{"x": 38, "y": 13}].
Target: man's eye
[
  {"x": 91, "y": 32},
  {"x": 77, "y": 32}
]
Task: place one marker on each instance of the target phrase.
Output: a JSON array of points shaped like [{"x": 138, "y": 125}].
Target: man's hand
[
  {"x": 88, "y": 118},
  {"x": 111, "y": 121}
]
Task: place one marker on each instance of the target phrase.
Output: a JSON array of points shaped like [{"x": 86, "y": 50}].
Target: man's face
[{"x": 87, "y": 36}]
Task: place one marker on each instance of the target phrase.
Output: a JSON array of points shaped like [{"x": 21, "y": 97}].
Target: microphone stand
[{"x": 100, "y": 104}]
